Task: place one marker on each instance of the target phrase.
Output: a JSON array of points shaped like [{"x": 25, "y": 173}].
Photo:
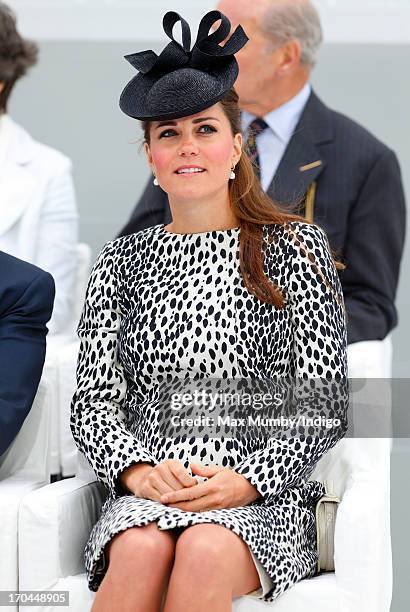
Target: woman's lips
[{"x": 189, "y": 174}]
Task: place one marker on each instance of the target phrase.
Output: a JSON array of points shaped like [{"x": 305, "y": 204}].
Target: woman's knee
[
  {"x": 204, "y": 550},
  {"x": 214, "y": 556},
  {"x": 139, "y": 545}
]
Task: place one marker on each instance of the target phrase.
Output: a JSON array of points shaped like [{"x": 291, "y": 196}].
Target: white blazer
[{"x": 38, "y": 214}]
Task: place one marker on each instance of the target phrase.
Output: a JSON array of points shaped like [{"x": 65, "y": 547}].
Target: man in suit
[
  {"x": 347, "y": 181},
  {"x": 26, "y": 304}
]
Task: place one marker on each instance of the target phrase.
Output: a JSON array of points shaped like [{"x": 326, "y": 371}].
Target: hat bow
[{"x": 206, "y": 53}]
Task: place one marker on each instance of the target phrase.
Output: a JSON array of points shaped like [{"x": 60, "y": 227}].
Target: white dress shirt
[{"x": 272, "y": 142}]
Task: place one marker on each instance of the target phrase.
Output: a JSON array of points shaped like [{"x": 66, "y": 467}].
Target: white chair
[
  {"x": 62, "y": 445},
  {"x": 55, "y": 523},
  {"x": 24, "y": 467}
]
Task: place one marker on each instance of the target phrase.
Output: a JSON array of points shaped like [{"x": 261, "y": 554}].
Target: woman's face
[{"x": 192, "y": 157}]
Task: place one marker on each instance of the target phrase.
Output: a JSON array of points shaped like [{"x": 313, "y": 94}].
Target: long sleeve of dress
[
  {"x": 319, "y": 354},
  {"x": 97, "y": 409}
]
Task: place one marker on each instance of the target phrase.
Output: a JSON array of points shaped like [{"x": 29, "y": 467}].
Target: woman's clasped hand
[{"x": 170, "y": 483}]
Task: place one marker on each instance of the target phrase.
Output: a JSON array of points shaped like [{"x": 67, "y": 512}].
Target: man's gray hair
[{"x": 295, "y": 20}]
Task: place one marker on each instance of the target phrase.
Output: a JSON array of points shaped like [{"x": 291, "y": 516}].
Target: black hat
[{"x": 181, "y": 82}]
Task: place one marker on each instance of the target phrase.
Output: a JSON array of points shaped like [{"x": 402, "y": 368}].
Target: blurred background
[{"x": 70, "y": 101}]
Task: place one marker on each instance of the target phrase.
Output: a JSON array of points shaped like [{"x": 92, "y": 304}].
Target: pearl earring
[
  {"x": 155, "y": 181},
  {"x": 233, "y": 175}
]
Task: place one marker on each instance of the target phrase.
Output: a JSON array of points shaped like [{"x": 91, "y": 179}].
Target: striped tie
[{"x": 256, "y": 127}]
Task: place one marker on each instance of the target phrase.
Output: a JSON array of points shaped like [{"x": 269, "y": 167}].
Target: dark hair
[
  {"x": 254, "y": 209},
  {"x": 16, "y": 54}
]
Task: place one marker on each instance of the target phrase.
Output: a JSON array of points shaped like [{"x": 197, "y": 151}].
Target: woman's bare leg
[
  {"x": 212, "y": 566},
  {"x": 140, "y": 563}
]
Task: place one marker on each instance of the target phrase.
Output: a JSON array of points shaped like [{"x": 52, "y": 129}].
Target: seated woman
[
  {"x": 38, "y": 214},
  {"x": 233, "y": 288}
]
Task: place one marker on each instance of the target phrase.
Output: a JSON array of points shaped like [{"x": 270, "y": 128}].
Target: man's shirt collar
[{"x": 284, "y": 119}]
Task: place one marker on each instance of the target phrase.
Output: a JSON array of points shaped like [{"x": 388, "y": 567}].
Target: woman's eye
[
  {"x": 204, "y": 129},
  {"x": 165, "y": 132},
  {"x": 208, "y": 127}
]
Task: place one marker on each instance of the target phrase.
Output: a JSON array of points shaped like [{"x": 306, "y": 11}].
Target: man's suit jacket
[
  {"x": 26, "y": 304},
  {"x": 359, "y": 202}
]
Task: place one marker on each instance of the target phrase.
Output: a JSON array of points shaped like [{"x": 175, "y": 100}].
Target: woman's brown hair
[
  {"x": 254, "y": 209},
  {"x": 17, "y": 55}
]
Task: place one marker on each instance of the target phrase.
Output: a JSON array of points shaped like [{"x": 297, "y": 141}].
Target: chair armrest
[
  {"x": 359, "y": 469},
  {"x": 12, "y": 491},
  {"x": 23, "y": 467},
  {"x": 28, "y": 456},
  {"x": 363, "y": 557},
  {"x": 67, "y": 365},
  {"x": 54, "y": 525},
  {"x": 61, "y": 362}
]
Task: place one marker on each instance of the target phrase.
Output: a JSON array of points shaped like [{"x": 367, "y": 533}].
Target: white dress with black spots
[{"x": 160, "y": 303}]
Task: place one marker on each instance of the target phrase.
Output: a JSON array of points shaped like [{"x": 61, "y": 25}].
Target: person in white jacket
[{"x": 38, "y": 213}]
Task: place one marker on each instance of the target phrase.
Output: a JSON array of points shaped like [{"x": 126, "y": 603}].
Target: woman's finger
[
  {"x": 158, "y": 483},
  {"x": 165, "y": 481},
  {"x": 175, "y": 475},
  {"x": 153, "y": 486},
  {"x": 181, "y": 475},
  {"x": 208, "y": 502},
  {"x": 161, "y": 480},
  {"x": 187, "y": 494},
  {"x": 168, "y": 478},
  {"x": 149, "y": 491}
]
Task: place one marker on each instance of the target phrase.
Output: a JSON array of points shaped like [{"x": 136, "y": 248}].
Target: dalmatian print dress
[{"x": 163, "y": 303}]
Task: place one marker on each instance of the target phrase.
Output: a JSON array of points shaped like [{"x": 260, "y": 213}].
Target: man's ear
[{"x": 290, "y": 58}]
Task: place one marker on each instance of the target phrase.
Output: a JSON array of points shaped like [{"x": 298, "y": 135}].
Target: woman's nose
[{"x": 188, "y": 146}]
